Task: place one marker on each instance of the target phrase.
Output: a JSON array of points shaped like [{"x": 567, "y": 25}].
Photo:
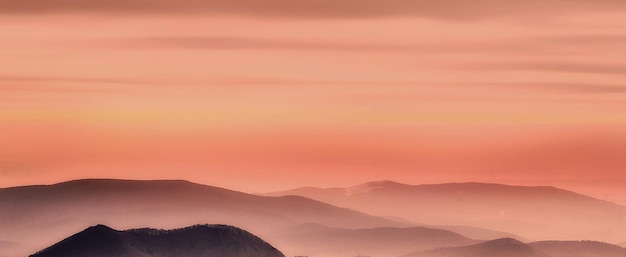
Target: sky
[{"x": 268, "y": 95}]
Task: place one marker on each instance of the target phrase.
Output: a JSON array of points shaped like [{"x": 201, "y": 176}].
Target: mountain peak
[
  {"x": 504, "y": 242},
  {"x": 373, "y": 185},
  {"x": 384, "y": 183},
  {"x": 94, "y": 239},
  {"x": 98, "y": 229}
]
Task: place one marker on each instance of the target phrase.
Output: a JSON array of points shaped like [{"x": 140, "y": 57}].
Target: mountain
[
  {"x": 505, "y": 247},
  {"x": 479, "y": 233},
  {"x": 536, "y": 213},
  {"x": 62, "y": 208},
  {"x": 318, "y": 240},
  {"x": 197, "y": 241},
  {"x": 508, "y": 247},
  {"x": 579, "y": 249}
]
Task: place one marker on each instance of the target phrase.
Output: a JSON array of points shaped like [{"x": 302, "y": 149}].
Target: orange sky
[{"x": 265, "y": 97}]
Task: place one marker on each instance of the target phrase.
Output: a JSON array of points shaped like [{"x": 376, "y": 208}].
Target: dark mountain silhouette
[
  {"x": 318, "y": 240},
  {"x": 197, "y": 241},
  {"x": 537, "y": 213},
  {"x": 579, "y": 249},
  {"x": 62, "y": 208},
  {"x": 505, "y": 247}
]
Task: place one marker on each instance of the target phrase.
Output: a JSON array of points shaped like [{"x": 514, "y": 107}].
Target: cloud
[
  {"x": 590, "y": 88},
  {"x": 242, "y": 43},
  {"x": 535, "y": 45},
  {"x": 43, "y": 79},
  {"x": 607, "y": 69},
  {"x": 587, "y": 39},
  {"x": 315, "y": 8},
  {"x": 64, "y": 84},
  {"x": 282, "y": 44},
  {"x": 17, "y": 88}
]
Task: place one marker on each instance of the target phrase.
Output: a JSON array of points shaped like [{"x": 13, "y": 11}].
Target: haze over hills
[
  {"x": 63, "y": 208},
  {"x": 197, "y": 241},
  {"x": 479, "y": 233},
  {"x": 300, "y": 226},
  {"x": 538, "y": 213},
  {"x": 505, "y": 247},
  {"x": 508, "y": 247},
  {"x": 318, "y": 240},
  {"x": 579, "y": 249}
]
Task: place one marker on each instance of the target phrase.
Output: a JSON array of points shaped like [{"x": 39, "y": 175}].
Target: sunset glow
[{"x": 269, "y": 97}]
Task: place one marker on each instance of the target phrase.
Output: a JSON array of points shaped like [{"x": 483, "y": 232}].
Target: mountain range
[
  {"x": 508, "y": 247},
  {"x": 579, "y": 249},
  {"x": 70, "y": 206},
  {"x": 505, "y": 247},
  {"x": 389, "y": 220},
  {"x": 535, "y": 213},
  {"x": 229, "y": 241},
  {"x": 318, "y": 240},
  {"x": 197, "y": 241}
]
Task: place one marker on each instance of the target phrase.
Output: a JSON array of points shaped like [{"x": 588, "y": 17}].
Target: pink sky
[{"x": 260, "y": 98}]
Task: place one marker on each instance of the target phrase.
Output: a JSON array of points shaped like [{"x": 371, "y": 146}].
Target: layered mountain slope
[
  {"x": 536, "y": 213},
  {"x": 479, "y": 233},
  {"x": 505, "y": 247},
  {"x": 62, "y": 208},
  {"x": 579, "y": 249},
  {"x": 318, "y": 240}
]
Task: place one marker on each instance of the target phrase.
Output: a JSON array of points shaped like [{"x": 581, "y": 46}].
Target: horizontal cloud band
[{"x": 455, "y": 9}]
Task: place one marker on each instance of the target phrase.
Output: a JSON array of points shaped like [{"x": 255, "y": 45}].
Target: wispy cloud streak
[{"x": 315, "y": 8}]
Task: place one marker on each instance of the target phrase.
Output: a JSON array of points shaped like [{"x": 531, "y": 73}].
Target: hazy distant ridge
[
  {"x": 319, "y": 240},
  {"x": 505, "y": 247},
  {"x": 536, "y": 213}
]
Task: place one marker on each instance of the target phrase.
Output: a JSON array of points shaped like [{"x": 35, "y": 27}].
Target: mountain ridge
[
  {"x": 69, "y": 206},
  {"x": 198, "y": 240},
  {"x": 533, "y": 212},
  {"x": 380, "y": 184},
  {"x": 579, "y": 248},
  {"x": 504, "y": 247},
  {"x": 319, "y": 240}
]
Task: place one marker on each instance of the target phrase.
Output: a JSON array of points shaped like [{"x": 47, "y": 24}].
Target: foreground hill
[
  {"x": 579, "y": 249},
  {"x": 537, "y": 213},
  {"x": 505, "y": 247},
  {"x": 62, "y": 208},
  {"x": 197, "y": 241},
  {"x": 319, "y": 240}
]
